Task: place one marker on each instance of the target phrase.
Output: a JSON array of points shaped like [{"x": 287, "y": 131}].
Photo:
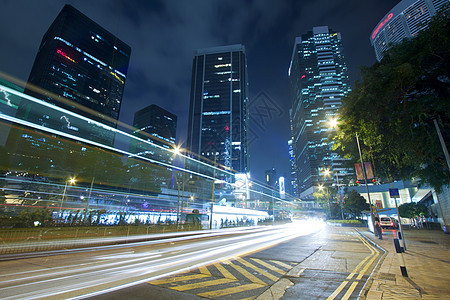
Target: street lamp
[
  {"x": 327, "y": 172},
  {"x": 365, "y": 180},
  {"x": 178, "y": 151},
  {"x": 321, "y": 187},
  {"x": 333, "y": 124},
  {"x": 71, "y": 181}
]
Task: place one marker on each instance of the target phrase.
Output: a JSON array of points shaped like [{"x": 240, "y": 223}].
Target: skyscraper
[
  {"x": 293, "y": 183},
  {"x": 156, "y": 125},
  {"x": 158, "y": 128},
  {"x": 218, "y": 114},
  {"x": 85, "y": 64},
  {"x": 81, "y": 68},
  {"x": 318, "y": 81},
  {"x": 271, "y": 177},
  {"x": 405, "y": 20}
]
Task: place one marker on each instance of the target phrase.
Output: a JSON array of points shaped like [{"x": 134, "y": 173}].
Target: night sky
[{"x": 163, "y": 36}]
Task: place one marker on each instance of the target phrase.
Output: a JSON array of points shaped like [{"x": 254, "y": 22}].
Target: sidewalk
[{"x": 427, "y": 261}]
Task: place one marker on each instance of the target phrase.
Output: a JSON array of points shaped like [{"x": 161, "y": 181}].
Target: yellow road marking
[
  {"x": 269, "y": 266},
  {"x": 247, "y": 274},
  {"x": 197, "y": 285},
  {"x": 338, "y": 290},
  {"x": 367, "y": 257},
  {"x": 350, "y": 290},
  {"x": 375, "y": 254},
  {"x": 224, "y": 271},
  {"x": 367, "y": 262},
  {"x": 175, "y": 279},
  {"x": 282, "y": 264},
  {"x": 204, "y": 270},
  {"x": 262, "y": 272},
  {"x": 228, "y": 291}
]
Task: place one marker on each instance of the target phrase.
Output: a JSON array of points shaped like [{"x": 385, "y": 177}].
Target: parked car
[{"x": 388, "y": 222}]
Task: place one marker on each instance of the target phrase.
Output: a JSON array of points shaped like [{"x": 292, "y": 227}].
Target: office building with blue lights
[
  {"x": 81, "y": 67},
  {"x": 318, "y": 81},
  {"x": 218, "y": 113},
  {"x": 155, "y": 129},
  {"x": 79, "y": 72}
]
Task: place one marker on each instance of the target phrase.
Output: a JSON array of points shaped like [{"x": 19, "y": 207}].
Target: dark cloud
[{"x": 163, "y": 36}]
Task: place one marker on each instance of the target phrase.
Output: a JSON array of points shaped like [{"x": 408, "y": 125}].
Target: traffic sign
[{"x": 393, "y": 193}]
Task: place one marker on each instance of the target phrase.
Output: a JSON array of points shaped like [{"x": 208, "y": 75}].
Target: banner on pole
[{"x": 359, "y": 171}]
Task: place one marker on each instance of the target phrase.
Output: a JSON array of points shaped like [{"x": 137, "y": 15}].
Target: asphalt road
[
  {"x": 298, "y": 261},
  {"x": 331, "y": 263}
]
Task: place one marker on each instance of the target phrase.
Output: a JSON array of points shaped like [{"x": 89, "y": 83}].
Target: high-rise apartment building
[
  {"x": 218, "y": 113},
  {"x": 318, "y": 80},
  {"x": 85, "y": 64},
  {"x": 405, "y": 20}
]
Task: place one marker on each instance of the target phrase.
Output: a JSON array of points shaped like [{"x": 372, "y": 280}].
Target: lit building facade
[
  {"x": 158, "y": 127},
  {"x": 318, "y": 81},
  {"x": 271, "y": 177},
  {"x": 85, "y": 64},
  {"x": 218, "y": 113},
  {"x": 293, "y": 183},
  {"x": 405, "y": 20}
]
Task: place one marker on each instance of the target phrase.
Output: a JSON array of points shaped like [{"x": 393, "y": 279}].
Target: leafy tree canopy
[
  {"x": 393, "y": 107},
  {"x": 355, "y": 203},
  {"x": 412, "y": 210}
]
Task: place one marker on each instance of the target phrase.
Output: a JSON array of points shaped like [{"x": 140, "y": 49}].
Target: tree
[
  {"x": 354, "y": 203},
  {"x": 393, "y": 107},
  {"x": 412, "y": 210}
]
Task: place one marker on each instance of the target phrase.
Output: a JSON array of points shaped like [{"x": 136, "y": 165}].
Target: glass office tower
[
  {"x": 156, "y": 129},
  {"x": 86, "y": 66},
  {"x": 79, "y": 70},
  {"x": 318, "y": 81},
  {"x": 218, "y": 113}
]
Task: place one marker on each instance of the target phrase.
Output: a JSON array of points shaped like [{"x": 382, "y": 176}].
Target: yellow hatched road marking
[
  {"x": 350, "y": 291},
  {"x": 282, "y": 264},
  {"x": 247, "y": 274},
  {"x": 224, "y": 271},
  {"x": 175, "y": 279},
  {"x": 228, "y": 291},
  {"x": 264, "y": 273},
  {"x": 269, "y": 266},
  {"x": 192, "y": 286},
  {"x": 204, "y": 270}
]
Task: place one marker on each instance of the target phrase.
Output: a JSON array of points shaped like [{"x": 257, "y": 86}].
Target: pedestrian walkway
[{"x": 427, "y": 261}]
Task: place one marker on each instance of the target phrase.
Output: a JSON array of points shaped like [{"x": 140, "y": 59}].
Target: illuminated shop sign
[{"x": 389, "y": 16}]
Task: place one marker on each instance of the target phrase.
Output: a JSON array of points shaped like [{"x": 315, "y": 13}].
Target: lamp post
[
  {"x": 327, "y": 172},
  {"x": 365, "y": 180},
  {"x": 333, "y": 124},
  {"x": 70, "y": 181},
  {"x": 339, "y": 195},
  {"x": 178, "y": 151},
  {"x": 212, "y": 196},
  {"x": 321, "y": 187}
]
